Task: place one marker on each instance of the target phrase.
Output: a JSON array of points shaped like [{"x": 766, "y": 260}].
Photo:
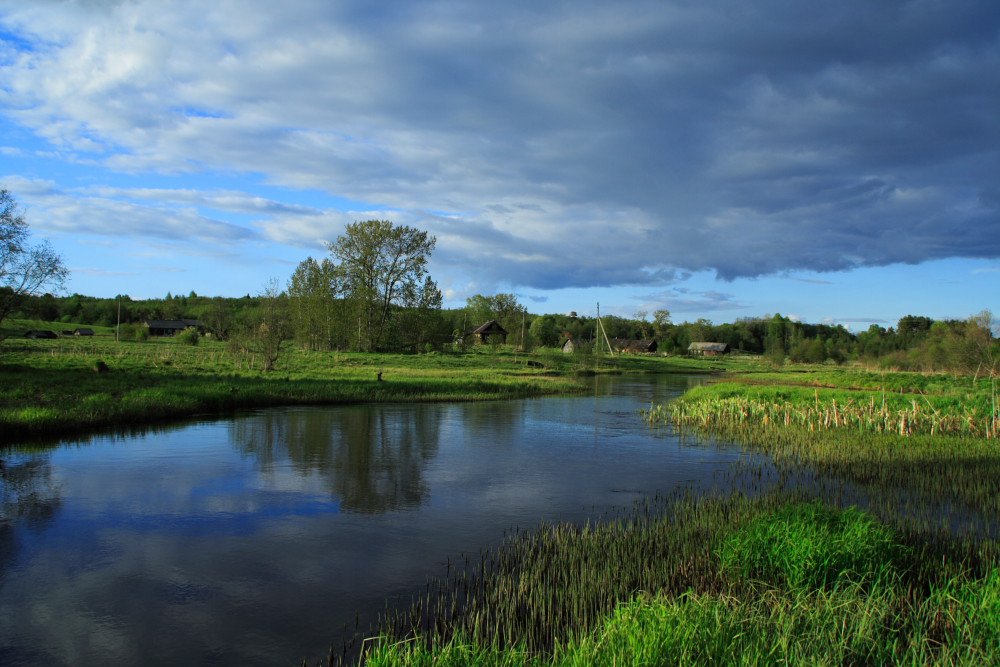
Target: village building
[
  {"x": 172, "y": 327},
  {"x": 708, "y": 349},
  {"x": 491, "y": 332},
  {"x": 621, "y": 345}
]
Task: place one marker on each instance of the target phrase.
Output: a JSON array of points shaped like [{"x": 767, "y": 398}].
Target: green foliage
[
  {"x": 382, "y": 266},
  {"x": 189, "y": 336}
]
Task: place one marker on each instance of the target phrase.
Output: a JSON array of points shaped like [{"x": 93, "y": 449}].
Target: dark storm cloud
[{"x": 561, "y": 145}]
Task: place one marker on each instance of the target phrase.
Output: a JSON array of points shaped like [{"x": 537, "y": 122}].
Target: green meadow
[{"x": 73, "y": 384}]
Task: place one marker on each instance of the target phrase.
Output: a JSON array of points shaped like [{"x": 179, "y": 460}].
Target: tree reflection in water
[
  {"x": 373, "y": 460},
  {"x": 29, "y": 499}
]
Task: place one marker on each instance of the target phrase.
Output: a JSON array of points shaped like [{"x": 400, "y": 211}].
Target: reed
[
  {"x": 726, "y": 580},
  {"x": 712, "y": 408}
]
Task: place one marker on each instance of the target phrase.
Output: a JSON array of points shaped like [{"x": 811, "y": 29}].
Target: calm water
[{"x": 255, "y": 540}]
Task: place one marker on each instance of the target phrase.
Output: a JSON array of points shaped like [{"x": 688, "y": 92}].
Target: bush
[{"x": 189, "y": 336}]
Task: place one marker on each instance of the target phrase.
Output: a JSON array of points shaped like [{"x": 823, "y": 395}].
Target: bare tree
[
  {"x": 24, "y": 269},
  {"x": 261, "y": 331}
]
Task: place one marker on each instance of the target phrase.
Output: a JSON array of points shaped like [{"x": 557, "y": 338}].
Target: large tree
[
  {"x": 381, "y": 266},
  {"x": 24, "y": 269}
]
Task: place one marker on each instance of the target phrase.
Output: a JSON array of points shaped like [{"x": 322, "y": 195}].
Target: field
[{"x": 72, "y": 384}]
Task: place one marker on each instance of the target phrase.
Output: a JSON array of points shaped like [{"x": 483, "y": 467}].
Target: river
[{"x": 257, "y": 539}]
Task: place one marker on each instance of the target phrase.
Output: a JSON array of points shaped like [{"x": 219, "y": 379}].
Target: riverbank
[
  {"x": 778, "y": 579},
  {"x": 72, "y": 385},
  {"x": 798, "y": 575}
]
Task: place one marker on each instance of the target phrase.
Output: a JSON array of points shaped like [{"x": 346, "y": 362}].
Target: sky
[{"x": 834, "y": 162}]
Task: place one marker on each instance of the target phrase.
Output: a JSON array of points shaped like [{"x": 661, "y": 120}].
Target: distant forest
[{"x": 915, "y": 343}]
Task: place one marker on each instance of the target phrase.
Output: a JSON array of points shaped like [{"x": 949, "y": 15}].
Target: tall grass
[{"x": 729, "y": 581}]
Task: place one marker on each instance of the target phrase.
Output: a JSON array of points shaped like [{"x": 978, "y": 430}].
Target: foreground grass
[
  {"x": 727, "y": 581},
  {"x": 52, "y": 387}
]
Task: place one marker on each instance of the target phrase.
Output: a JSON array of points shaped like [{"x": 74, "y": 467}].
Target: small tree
[
  {"x": 24, "y": 269},
  {"x": 261, "y": 331}
]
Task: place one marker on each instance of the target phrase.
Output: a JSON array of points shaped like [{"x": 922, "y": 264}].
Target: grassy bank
[
  {"x": 796, "y": 576},
  {"x": 74, "y": 384},
  {"x": 727, "y": 581},
  {"x": 897, "y": 437}
]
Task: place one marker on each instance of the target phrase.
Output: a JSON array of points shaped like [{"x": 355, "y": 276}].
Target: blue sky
[{"x": 834, "y": 162}]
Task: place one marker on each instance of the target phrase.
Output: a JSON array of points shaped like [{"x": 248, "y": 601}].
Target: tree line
[{"x": 373, "y": 293}]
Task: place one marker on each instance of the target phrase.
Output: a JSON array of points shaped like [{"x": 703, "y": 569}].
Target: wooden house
[
  {"x": 40, "y": 333},
  {"x": 708, "y": 349},
  {"x": 634, "y": 346},
  {"x": 491, "y": 332},
  {"x": 83, "y": 331}
]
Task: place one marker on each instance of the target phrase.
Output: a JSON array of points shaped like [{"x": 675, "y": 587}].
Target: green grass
[{"x": 738, "y": 582}]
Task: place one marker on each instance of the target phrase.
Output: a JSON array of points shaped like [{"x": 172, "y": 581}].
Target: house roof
[
  {"x": 490, "y": 327},
  {"x": 624, "y": 343},
  {"x": 173, "y": 324}
]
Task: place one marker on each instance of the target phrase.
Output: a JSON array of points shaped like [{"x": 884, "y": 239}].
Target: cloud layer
[{"x": 549, "y": 145}]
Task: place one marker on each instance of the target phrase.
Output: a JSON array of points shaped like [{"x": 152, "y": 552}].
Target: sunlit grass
[
  {"x": 769, "y": 581},
  {"x": 51, "y": 386}
]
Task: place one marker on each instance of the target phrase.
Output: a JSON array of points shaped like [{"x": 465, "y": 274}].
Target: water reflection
[
  {"x": 373, "y": 460},
  {"x": 28, "y": 498},
  {"x": 254, "y": 540}
]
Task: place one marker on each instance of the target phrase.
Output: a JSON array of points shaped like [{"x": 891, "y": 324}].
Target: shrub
[{"x": 189, "y": 336}]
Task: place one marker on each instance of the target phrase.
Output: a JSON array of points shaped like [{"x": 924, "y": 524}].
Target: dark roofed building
[
  {"x": 708, "y": 349},
  {"x": 634, "y": 346},
  {"x": 489, "y": 332},
  {"x": 171, "y": 327},
  {"x": 40, "y": 333},
  {"x": 83, "y": 331}
]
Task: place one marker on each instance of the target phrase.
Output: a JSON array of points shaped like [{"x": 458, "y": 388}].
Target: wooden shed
[
  {"x": 83, "y": 331},
  {"x": 490, "y": 332},
  {"x": 708, "y": 349}
]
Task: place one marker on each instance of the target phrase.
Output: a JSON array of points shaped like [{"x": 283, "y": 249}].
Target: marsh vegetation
[{"x": 794, "y": 574}]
